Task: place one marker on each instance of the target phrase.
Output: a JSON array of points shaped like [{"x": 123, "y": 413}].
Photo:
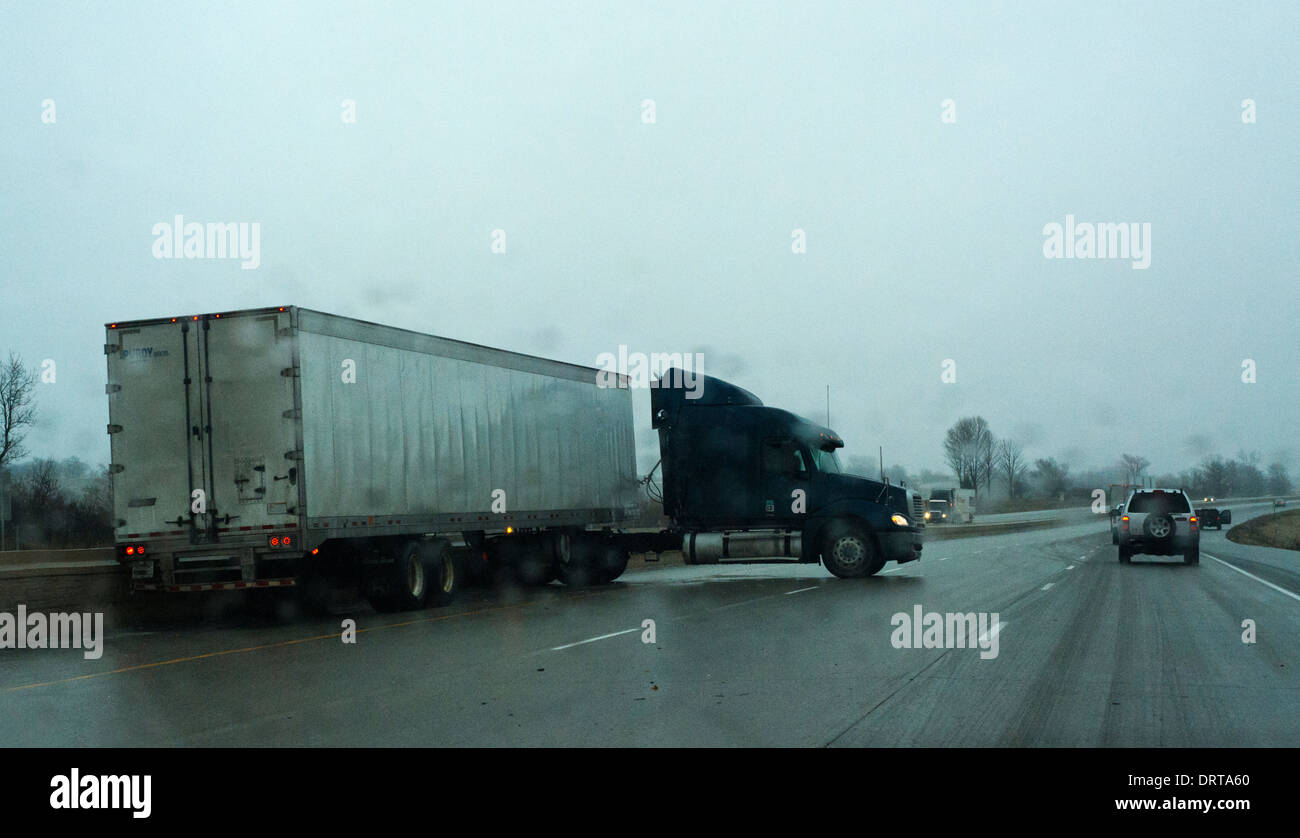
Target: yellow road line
[{"x": 279, "y": 644}]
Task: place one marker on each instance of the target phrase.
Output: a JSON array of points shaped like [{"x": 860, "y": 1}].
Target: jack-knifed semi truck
[{"x": 285, "y": 447}]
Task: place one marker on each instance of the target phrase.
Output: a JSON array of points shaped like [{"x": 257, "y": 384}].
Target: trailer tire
[
  {"x": 578, "y": 566},
  {"x": 406, "y": 586},
  {"x": 611, "y": 561},
  {"x": 442, "y": 572},
  {"x": 849, "y": 551}
]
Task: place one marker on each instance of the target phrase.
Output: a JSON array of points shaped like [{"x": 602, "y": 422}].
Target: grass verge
[{"x": 1280, "y": 529}]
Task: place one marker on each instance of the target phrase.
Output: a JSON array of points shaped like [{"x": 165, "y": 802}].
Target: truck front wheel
[{"x": 849, "y": 551}]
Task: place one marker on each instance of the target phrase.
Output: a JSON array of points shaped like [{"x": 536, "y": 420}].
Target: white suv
[{"x": 1159, "y": 522}]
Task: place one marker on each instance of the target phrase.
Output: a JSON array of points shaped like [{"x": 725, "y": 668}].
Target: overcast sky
[{"x": 924, "y": 237}]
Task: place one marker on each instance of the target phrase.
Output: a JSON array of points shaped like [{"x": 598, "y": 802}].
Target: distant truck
[
  {"x": 951, "y": 506},
  {"x": 288, "y": 448}
]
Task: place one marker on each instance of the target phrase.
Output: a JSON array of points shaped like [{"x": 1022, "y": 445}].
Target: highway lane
[{"x": 1090, "y": 653}]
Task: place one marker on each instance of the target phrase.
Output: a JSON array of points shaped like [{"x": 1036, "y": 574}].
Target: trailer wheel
[
  {"x": 611, "y": 561},
  {"x": 406, "y": 586},
  {"x": 579, "y": 565},
  {"x": 441, "y": 572},
  {"x": 534, "y": 566},
  {"x": 849, "y": 551}
]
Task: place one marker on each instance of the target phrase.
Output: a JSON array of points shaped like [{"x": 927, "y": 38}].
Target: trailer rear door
[{"x": 203, "y": 424}]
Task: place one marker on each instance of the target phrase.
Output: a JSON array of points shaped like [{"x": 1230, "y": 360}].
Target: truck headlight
[{"x": 900, "y": 520}]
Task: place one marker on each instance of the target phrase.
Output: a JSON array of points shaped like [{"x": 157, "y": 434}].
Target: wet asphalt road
[{"x": 1090, "y": 653}]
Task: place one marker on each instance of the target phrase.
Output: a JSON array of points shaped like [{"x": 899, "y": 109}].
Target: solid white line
[
  {"x": 1281, "y": 590},
  {"x": 1048, "y": 585},
  {"x": 944, "y": 559},
  {"x": 593, "y": 639},
  {"x": 1071, "y": 567},
  {"x": 891, "y": 570},
  {"x": 801, "y": 590}
]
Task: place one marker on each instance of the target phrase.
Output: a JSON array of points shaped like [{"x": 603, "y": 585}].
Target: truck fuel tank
[{"x": 713, "y": 547}]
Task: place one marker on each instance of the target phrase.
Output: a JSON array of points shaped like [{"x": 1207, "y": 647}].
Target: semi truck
[
  {"x": 951, "y": 506},
  {"x": 289, "y": 448}
]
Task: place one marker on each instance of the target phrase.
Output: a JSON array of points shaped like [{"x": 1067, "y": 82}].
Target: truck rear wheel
[
  {"x": 441, "y": 571},
  {"x": 406, "y": 586},
  {"x": 849, "y": 551}
]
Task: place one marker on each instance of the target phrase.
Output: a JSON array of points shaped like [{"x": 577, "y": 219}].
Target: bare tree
[
  {"x": 1011, "y": 462},
  {"x": 1134, "y": 467},
  {"x": 41, "y": 487},
  {"x": 968, "y": 450},
  {"x": 17, "y": 386}
]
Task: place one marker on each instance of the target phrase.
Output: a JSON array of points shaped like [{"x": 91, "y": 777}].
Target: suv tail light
[
  {"x": 1195, "y": 523},
  {"x": 1124, "y": 522}
]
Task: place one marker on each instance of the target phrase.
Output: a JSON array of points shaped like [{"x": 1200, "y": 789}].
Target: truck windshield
[{"x": 826, "y": 461}]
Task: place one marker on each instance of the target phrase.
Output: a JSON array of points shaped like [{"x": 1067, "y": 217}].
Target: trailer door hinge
[
  {"x": 290, "y": 372},
  {"x": 292, "y": 413},
  {"x": 116, "y": 468},
  {"x": 112, "y": 388},
  {"x": 115, "y": 429},
  {"x": 110, "y": 348},
  {"x": 295, "y": 454}
]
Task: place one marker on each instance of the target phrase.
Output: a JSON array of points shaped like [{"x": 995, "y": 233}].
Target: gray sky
[{"x": 924, "y": 238}]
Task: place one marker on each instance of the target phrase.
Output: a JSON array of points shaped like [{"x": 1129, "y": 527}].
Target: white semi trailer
[{"x": 283, "y": 446}]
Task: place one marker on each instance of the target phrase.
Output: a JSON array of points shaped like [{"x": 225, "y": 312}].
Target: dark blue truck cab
[{"x": 746, "y": 482}]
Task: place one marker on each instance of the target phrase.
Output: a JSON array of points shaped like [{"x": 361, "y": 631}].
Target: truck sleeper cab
[{"x": 744, "y": 481}]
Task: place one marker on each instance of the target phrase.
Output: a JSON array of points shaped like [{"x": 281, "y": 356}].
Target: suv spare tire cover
[{"x": 1159, "y": 525}]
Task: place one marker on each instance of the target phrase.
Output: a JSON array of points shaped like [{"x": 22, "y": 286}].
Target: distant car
[
  {"x": 1208, "y": 516},
  {"x": 1159, "y": 522},
  {"x": 1280, "y": 502},
  {"x": 1207, "y": 500}
]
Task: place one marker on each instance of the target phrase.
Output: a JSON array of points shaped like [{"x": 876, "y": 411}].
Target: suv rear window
[{"x": 1159, "y": 502}]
